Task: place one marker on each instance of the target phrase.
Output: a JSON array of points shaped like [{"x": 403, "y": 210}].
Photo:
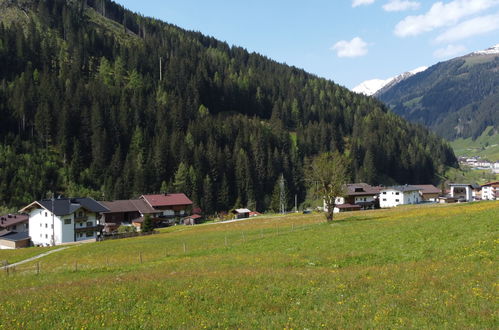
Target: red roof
[
  {"x": 194, "y": 216},
  {"x": 167, "y": 200}
]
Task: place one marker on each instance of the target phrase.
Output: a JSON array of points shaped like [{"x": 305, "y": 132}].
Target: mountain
[
  {"x": 371, "y": 87},
  {"x": 457, "y": 98},
  {"x": 98, "y": 101}
]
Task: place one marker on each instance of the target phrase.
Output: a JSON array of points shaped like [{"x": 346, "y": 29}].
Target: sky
[{"x": 346, "y": 41}]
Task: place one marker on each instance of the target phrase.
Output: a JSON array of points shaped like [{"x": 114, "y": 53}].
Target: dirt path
[{"x": 35, "y": 257}]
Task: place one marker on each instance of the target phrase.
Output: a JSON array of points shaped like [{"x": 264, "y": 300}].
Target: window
[
  {"x": 384, "y": 199},
  {"x": 46, "y": 236},
  {"x": 397, "y": 193},
  {"x": 80, "y": 214},
  {"x": 81, "y": 224},
  {"x": 89, "y": 224},
  {"x": 45, "y": 213},
  {"x": 67, "y": 221},
  {"x": 384, "y": 192},
  {"x": 81, "y": 235},
  {"x": 397, "y": 200},
  {"x": 51, "y": 226},
  {"x": 46, "y": 225},
  {"x": 41, "y": 225},
  {"x": 90, "y": 234}
]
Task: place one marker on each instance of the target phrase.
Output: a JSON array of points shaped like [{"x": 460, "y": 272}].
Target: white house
[
  {"x": 461, "y": 191},
  {"x": 490, "y": 191},
  {"x": 398, "y": 195},
  {"x": 63, "y": 220}
]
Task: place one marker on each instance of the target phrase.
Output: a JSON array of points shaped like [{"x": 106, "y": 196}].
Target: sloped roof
[
  {"x": 167, "y": 200},
  {"x": 241, "y": 211},
  {"x": 428, "y": 189},
  {"x": 361, "y": 189},
  {"x": 64, "y": 206},
  {"x": 402, "y": 188},
  {"x": 12, "y": 219},
  {"x": 15, "y": 236},
  {"x": 493, "y": 183},
  {"x": 128, "y": 205}
]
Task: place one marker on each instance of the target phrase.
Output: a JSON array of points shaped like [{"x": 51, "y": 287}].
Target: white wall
[
  {"x": 392, "y": 197},
  {"x": 487, "y": 193},
  {"x": 40, "y": 227}
]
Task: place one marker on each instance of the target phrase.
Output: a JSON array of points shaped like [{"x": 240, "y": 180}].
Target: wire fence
[{"x": 174, "y": 247}]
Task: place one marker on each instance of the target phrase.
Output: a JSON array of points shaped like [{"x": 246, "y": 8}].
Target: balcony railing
[{"x": 81, "y": 218}]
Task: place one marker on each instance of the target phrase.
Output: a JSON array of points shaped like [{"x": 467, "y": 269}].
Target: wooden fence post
[
  {"x": 140, "y": 257},
  {"x": 38, "y": 268},
  {"x": 185, "y": 248}
]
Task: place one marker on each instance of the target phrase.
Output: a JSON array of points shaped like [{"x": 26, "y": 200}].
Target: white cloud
[
  {"x": 356, "y": 3},
  {"x": 401, "y": 5},
  {"x": 469, "y": 28},
  {"x": 441, "y": 15},
  {"x": 353, "y": 48},
  {"x": 449, "y": 51}
]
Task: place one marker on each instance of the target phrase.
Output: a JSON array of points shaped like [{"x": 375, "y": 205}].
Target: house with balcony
[
  {"x": 173, "y": 207},
  {"x": 490, "y": 191},
  {"x": 358, "y": 196},
  {"x": 63, "y": 220},
  {"x": 124, "y": 212}
]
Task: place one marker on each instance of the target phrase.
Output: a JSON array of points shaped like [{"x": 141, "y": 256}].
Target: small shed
[
  {"x": 14, "y": 240},
  {"x": 241, "y": 213},
  {"x": 192, "y": 219}
]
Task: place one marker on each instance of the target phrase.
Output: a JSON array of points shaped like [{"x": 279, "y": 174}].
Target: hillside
[
  {"x": 408, "y": 267},
  {"x": 485, "y": 146},
  {"x": 98, "y": 101},
  {"x": 457, "y": 98}
]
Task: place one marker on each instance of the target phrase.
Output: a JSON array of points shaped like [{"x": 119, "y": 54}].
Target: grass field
[{"x": 432, "y": 266}]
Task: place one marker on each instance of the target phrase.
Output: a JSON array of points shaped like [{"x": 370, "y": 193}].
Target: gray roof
[
  {"x": 403, "y": 188},
  {"x": 64, "y": 206},
  {"x": 14, "y": 236}
]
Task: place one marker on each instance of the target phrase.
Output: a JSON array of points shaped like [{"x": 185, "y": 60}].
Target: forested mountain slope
[
  {"x": 96, "y": 100},
  {"x": 457, "y": 99}
]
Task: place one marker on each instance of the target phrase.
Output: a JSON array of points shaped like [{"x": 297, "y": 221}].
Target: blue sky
[{"x": 347, "y": 41}]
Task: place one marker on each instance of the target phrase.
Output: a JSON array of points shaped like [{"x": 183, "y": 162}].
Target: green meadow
[{"x": 431, "y": 266}]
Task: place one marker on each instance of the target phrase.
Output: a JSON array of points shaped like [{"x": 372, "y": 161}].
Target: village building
[
  {"x": 169, "y": 206},
  {"x": 124, "y": 212},
  {"x": 63, "y": 220},
  {"x": 490, "y": 191},
  {"x": 14, "y": 222},
  {"x": 428, "y": 192},
  {"x": 358, "y": 196},
  {"x": 14, "y": 240},
  {"x": 399, "y": 195},
  {"x": 462, "y": 192},
  {"x": 192, "y": 219},
  {"x": 241, "y": 213}
]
